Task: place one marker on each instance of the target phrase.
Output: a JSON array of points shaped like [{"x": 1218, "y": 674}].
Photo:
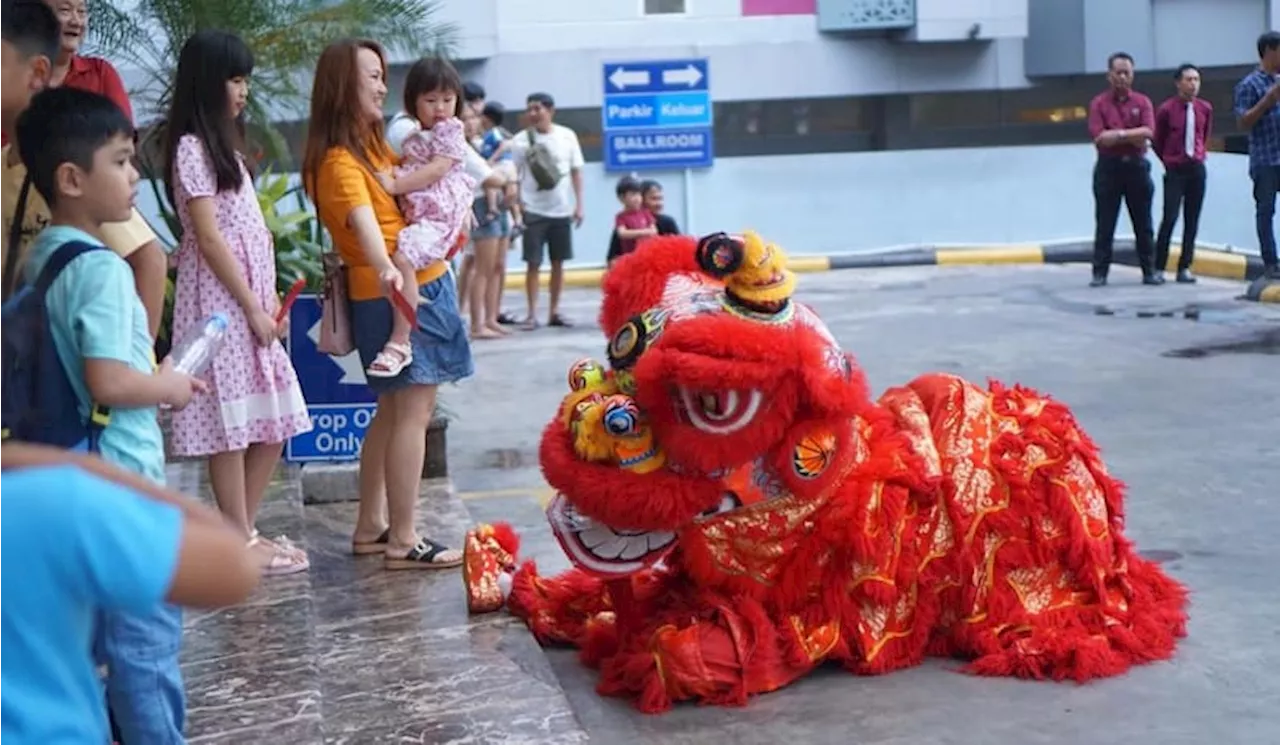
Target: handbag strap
[
  {"x": 320, "y": 224},
  {"x": 14, "y": 249}
]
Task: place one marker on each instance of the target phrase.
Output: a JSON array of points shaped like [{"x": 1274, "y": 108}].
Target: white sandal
[
  {"x": 286, "y": 558},
  {"x": 391, "y": 361}
]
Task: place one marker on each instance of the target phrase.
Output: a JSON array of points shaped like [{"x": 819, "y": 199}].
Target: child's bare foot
[
  {"x": 497, "y": 328},
  {"x": 485, "y": 332},
  {"x": 391, "y": 361}
]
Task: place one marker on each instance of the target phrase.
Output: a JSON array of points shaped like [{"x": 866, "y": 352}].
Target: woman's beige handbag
[{"x": 335, "y": 309}]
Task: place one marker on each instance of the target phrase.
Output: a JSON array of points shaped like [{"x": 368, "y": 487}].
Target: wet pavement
[{"x": 1177, "y": 384}]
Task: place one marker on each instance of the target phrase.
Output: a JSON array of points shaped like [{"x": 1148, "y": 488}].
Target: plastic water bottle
[{"x": 198, "y": 348}]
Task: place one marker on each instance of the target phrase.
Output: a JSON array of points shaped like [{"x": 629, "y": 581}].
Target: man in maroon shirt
[
  {"x": 1184, "y": 124},
  {"x": 1121, "y": 121}
]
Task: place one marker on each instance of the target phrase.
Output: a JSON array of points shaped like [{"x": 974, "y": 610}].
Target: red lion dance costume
[{"x": 739, "y": 510}]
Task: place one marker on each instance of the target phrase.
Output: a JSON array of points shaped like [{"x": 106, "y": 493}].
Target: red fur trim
[
  {"x": 1130, "y": 611},
  {"x": 636, "y": 282},
  {"x": 622, "y": 499}
]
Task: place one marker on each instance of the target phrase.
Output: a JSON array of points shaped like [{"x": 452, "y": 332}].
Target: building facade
[{"x": 804, "y": 76}]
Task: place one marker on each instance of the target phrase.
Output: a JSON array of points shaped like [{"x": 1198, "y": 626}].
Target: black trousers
[
  {"x": 1183, "y": 188},
  {"x": 1116, "y": 179}
]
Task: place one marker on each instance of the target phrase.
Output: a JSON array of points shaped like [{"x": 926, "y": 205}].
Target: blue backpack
[{"x": 37, "y": 402}]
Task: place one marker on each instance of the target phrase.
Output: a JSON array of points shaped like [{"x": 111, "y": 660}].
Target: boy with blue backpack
[{"x": 79, "y": 368}]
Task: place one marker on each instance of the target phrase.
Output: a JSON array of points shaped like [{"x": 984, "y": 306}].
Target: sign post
[
  {"x": 657, "y": 115},
  {"x": 340, "y": 404}
]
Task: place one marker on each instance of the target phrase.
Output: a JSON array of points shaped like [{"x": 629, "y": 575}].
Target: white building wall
[{"x": 560, "y": 45}]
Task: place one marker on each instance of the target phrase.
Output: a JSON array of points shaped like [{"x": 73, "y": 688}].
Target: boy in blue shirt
[
  {"x": 124, "y": 545},
  {"x": 78, "y": 149}
]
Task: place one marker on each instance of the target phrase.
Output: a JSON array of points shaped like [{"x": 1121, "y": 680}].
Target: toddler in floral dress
[
  {"x": 226, "y": 263},
  {"x": 435, "y": 194}
]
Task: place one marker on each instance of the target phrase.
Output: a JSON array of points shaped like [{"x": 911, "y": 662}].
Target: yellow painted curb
[
  {"x": 809, "y": 264},
  {"x": 592, "y": 277},
  {"x": 1270, "y": 294},
  {"x": 1025, "y": 254},
  {"x": 572, "y": 278},
  {"x": 1212, "y": 263},
  {"x": 1209, "y": 262}
]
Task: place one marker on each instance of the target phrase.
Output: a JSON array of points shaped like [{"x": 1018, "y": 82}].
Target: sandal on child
[
  {"x": 391, "y": 361},
  {"x": 286, "y": 558},
  {"x": 427, "y": 554}
]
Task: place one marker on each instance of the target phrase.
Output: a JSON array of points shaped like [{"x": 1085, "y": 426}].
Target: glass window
[
  {"x": 586, "y": 122},
  {"x": 842, "y": 115},
  {"x": 955, "y": 110},
  {"x": 663, "y": 7},
  {"x": 1221, "y": 93},
  {"x": 1054, "y": 102},
  {"x": 739, "y": 119}
]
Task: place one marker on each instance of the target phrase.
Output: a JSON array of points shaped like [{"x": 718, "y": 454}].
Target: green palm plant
[{"x": 286, "y": 37}]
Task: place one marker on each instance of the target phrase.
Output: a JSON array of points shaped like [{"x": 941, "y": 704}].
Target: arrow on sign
[
  {"x": 629, "y": 157},
  {"x": 622, "y": 77},
  {"x": 352, "y": 372},
  {"x": 687, "y": 75}
]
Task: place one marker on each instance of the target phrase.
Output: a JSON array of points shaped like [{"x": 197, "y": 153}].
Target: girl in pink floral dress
[
  {"x": 226, "y": 263},
  {"x": 435, "y": 195}
]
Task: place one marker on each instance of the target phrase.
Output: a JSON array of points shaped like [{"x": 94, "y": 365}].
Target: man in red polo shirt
[
  {"x": 1184, "y": 124},
  {"x": 1121, "y": 121},
  {"x": 92, "y": 74},
  {"x": 72, "y": 69}
]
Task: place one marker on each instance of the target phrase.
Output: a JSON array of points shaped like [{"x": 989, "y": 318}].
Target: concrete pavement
[{"x": 1178, "y": 384}]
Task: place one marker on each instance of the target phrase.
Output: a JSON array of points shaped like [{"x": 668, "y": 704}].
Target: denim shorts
[
  {"x": 497, "y": 227},
  {"x": 441, "y": 351}
]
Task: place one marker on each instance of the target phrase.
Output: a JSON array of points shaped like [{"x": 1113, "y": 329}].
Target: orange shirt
[{"x": 342, "y": 184}]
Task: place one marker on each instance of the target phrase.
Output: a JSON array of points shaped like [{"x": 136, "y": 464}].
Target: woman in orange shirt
[{"x": 345, "y": 150}]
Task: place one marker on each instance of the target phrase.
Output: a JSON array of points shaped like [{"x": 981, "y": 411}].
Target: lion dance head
[{"x": 712, "y": 372}]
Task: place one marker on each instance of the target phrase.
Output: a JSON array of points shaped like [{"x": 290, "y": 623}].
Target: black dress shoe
[
  {"x": 1186, "y": 277},
  {"x": 1099, "y": 280}
]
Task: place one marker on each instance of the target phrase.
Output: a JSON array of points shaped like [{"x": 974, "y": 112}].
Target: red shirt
[
  {"x": 634, "y": 220},
  {"x": 1170, "y": 141},
  {"x": 1109, "y": 111},
  {"x": 95, "y": 75}
]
